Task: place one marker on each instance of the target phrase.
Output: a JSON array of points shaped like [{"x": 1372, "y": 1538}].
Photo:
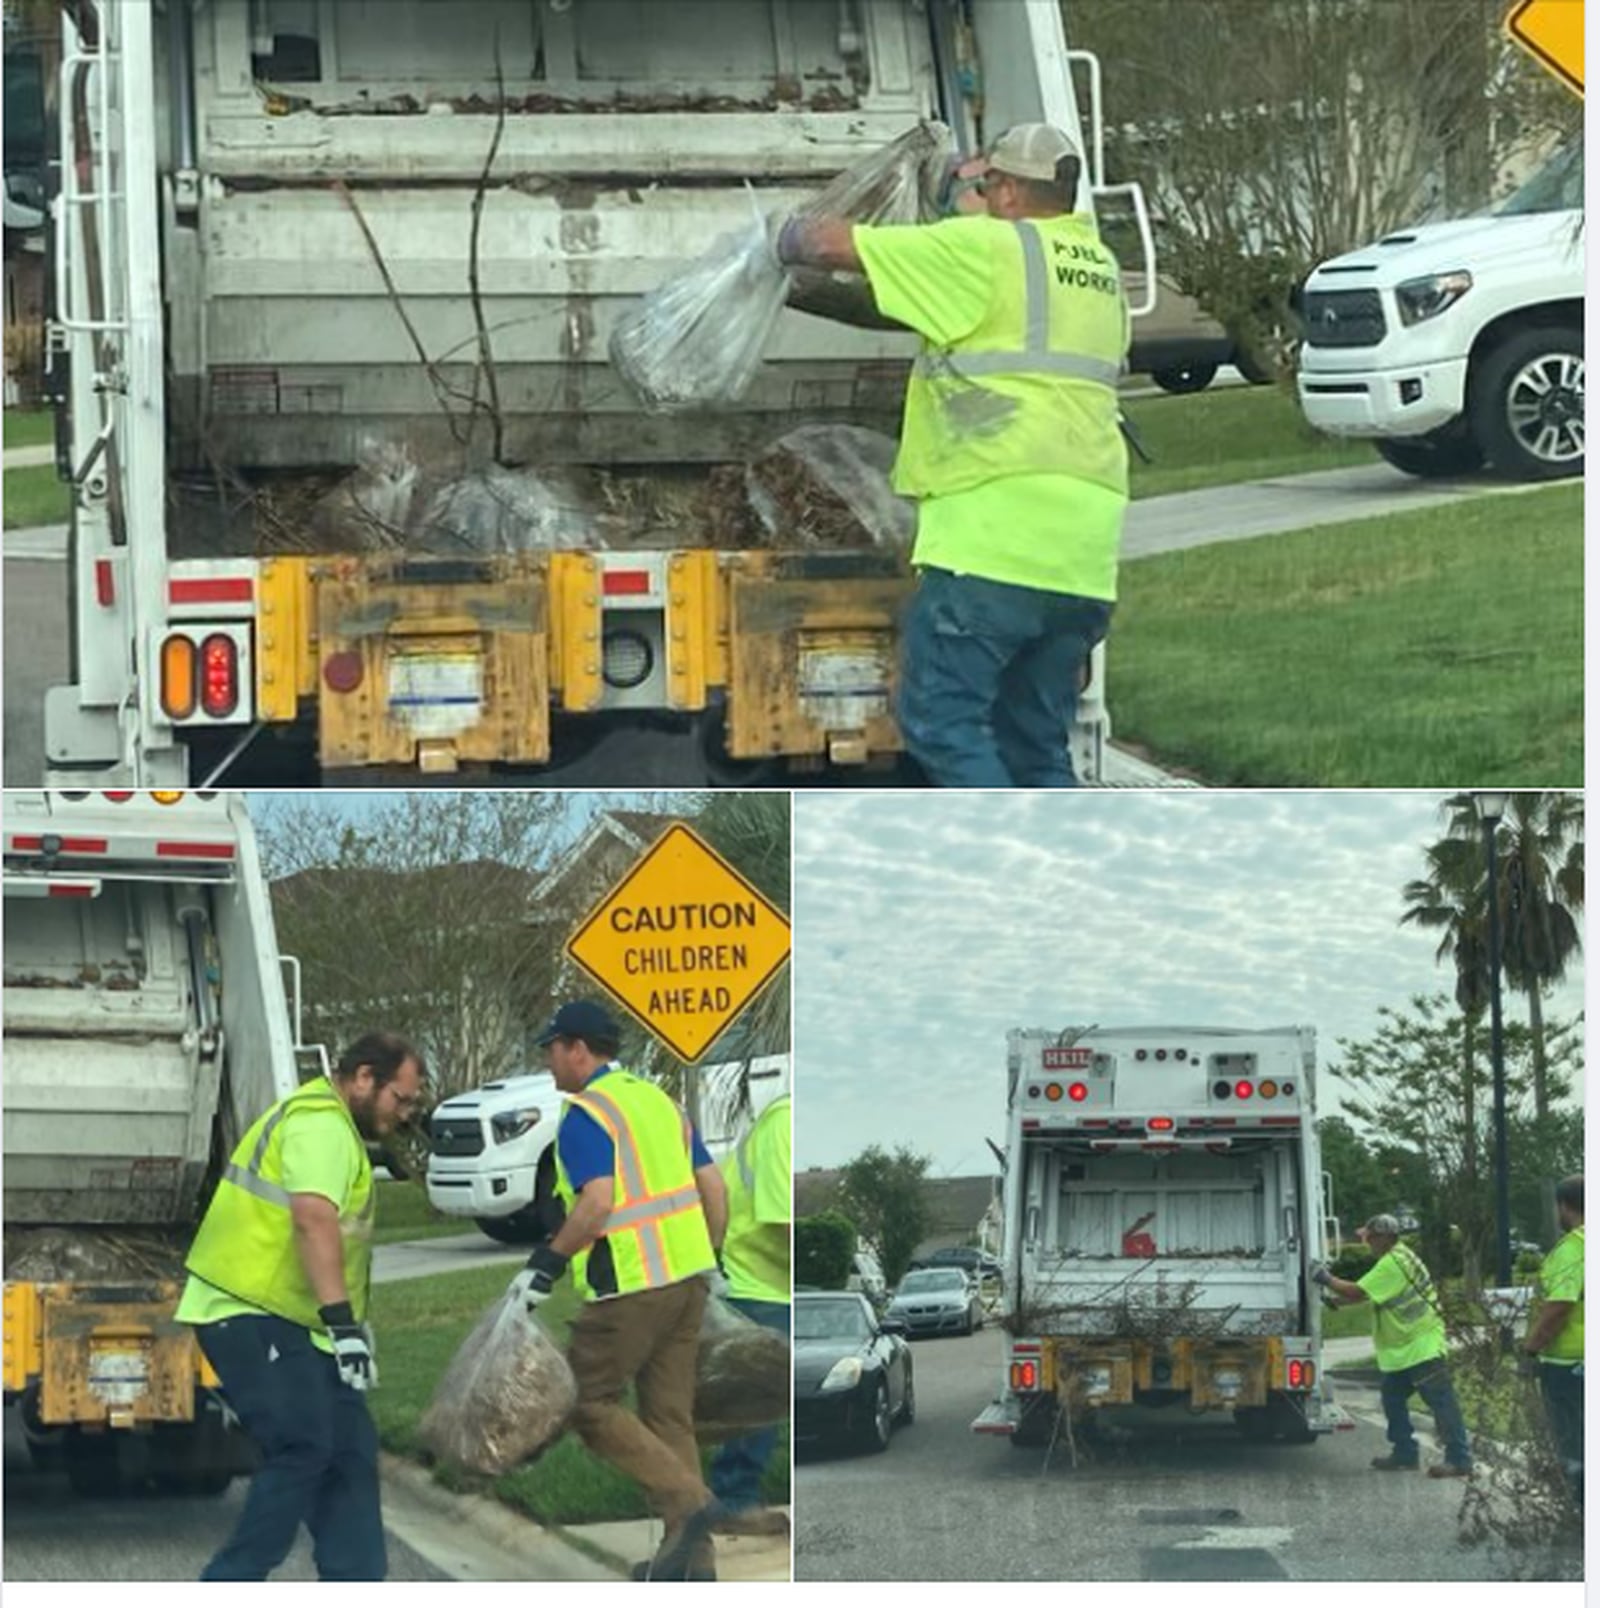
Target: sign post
[
  {"x": 1551, "y": 31},
  {"x": 683, "y": 941}
]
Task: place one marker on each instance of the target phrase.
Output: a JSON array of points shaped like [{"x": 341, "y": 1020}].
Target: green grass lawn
[
  {"x": 1341, "y": 1323},
  {"x": 404, "y": 1214},
  {"x": 35, "y": 497},
  {"x": 1435, "y": 649},
  {"x": 1215, "y": 438},
  {"x": 419, "y": 1324},
  {"x": 29, "y": 427}
]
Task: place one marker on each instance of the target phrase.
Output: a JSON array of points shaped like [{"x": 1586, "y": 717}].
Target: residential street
[{"x": 1181, "y": 1499}]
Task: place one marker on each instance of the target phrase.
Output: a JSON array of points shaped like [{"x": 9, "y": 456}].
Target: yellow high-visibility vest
[
  {"x": 657, "y": 1232},
  {"x": 245, "y": 1246},
  {"x": 754, "y": 1257}
]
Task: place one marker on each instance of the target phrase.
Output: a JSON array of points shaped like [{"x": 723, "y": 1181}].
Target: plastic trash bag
[
  {"x": 505, "y": 1397},
  {"x": 697, "y": 340},
  {"x": 741, "y": 1374},
  {"x": 827, "y": 486}
]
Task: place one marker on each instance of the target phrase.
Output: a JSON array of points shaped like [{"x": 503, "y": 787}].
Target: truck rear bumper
[{"x": 1411, "y": 400}]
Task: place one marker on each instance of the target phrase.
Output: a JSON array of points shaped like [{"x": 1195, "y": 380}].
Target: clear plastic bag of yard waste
[
  {"x": 505, "y": 1397},
  {"x": 827, "y": 486},
  {"x": 697, "y": 340},
  {"x": 741, "y": 1374}
]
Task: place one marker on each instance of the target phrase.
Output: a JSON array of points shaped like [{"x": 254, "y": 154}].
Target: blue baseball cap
[{"x": 581, "y": 1018}]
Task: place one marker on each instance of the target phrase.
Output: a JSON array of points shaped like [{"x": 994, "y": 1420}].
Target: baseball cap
[
  {"x": 581, "y": 1018},
  {"x": 1383, "y": 1224},
  {"x": 1032, "y": 151}
]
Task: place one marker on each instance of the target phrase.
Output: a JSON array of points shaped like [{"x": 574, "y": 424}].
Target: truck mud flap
[
  {"x": 433, "y": 661},
  {"x": 813, "y": 650}
]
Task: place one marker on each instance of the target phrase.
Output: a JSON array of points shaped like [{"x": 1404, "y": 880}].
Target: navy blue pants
[
  {"x": 737, "y": 1468},
  {"x": 989, "y": 680},
  {"x": 319, "y": 1454},
  {"x": 1431, "y": 1381},
  {"x": 1562, "y": 1387}
]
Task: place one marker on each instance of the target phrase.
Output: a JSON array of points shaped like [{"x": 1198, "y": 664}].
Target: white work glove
[
  {"x": 532, "y": 1286},
  {"x": 1318, "y": 1274},
  {"x": 352, "y": 1346}
]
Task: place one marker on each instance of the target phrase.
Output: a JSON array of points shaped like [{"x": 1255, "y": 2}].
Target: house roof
[{"x": 955, "y": 1205}]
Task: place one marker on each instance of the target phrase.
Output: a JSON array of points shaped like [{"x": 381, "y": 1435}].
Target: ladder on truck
[{"x": 105, "y": 353}]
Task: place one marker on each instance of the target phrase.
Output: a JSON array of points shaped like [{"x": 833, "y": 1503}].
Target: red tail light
[
  {"x": 1301, "y": 1375},
  {"x": 1078, "y": 1092},
  {"x": 1160, "y": 1125},
  {"x": 219, "y": 676},
  {"x": 1024, "y": 1376},
  {"x": 119, "y": 797},
  {"x": 1244, "y": 1089}
]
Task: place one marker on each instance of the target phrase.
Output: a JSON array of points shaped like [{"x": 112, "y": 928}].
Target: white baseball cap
[{"x": 1032, "y": 151}]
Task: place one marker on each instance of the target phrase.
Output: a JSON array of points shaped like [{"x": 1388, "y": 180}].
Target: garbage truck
[
  {"x": 147, "y": 1025},
  {"x": 1163, "y": 1203},
  {"x": 295, "y": 239}
]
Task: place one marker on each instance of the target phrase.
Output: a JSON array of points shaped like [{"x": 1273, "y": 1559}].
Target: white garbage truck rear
[
  {"x": 147, "y": 1025},
  {"x": 1162, "y": 1205}
]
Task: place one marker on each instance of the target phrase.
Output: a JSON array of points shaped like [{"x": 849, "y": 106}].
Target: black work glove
[{"x": 352, "y": 1346}]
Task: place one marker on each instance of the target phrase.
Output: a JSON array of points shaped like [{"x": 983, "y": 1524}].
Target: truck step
[{"x": 998, "y": 1418}]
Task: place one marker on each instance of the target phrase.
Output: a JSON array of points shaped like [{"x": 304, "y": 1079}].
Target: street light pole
[{"x": 1491, "y": 806}]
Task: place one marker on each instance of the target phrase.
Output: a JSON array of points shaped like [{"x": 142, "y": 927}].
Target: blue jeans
[
  {"x": 319, "y": 1454},
  {"x": 1562, "y": 1388},
  {"x": 1431, "y": 1381},
  {"x": 989, "y": 680},
  {"x": 737, "y": 1468}
]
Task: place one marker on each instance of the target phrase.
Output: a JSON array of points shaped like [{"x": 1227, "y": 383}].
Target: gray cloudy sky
[{"x": 928, "y": 924}]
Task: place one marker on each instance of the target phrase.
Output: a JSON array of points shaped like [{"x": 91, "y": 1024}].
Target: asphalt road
[
  {"x": 1180, "y": 1498},
  {"x": 633, "y": 756},
  {"x": 50, "y": 1534}
]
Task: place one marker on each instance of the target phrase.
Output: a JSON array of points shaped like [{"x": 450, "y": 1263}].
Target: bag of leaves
[
  {"x": 505, "y": 1397},
  {"x": 697, "y": 340},
  {"x": 741, "y": 1374}
]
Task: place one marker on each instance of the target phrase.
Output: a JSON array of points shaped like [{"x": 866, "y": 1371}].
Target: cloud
[{"x": 928, "y": 924}]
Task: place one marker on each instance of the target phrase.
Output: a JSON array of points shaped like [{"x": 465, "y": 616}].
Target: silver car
[{"x": 936, "y": 1300}]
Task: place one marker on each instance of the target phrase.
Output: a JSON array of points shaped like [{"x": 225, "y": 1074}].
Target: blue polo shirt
[{"x": 586, "y": 1149}]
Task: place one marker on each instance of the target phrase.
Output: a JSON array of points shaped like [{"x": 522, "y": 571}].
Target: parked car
[
  {"x": 937, "y": 1300},
  {"x": 852, "y": 1373},
  {"x": 973, "y": 1262},
  {"x": 866, "y": 1277}
]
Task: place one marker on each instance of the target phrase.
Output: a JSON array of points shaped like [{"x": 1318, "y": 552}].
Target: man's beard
[{"x": 366, "y": 1120}]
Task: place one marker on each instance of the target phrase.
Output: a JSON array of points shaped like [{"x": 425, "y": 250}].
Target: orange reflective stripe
[
  {"x": 653, "y": 1208},
  {"x": 610, "y": 1115}
]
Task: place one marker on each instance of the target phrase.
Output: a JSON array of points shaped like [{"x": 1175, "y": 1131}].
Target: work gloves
[
  {"x": 352, "y": 1346},
  {"x": 532, "y": 1286},
  {"x": 1318, "y": 1274}
]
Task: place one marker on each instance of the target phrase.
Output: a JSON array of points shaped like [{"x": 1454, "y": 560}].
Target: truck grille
[
  {"x": 1342, "y": 318},
  {"x": 456, "y": 1136}
]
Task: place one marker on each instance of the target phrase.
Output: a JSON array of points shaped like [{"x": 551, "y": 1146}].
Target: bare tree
[{"x": 1273, "y": 134}]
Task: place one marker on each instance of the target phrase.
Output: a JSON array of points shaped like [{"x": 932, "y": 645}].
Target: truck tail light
[
  {"x": 1301, "y": 1375},
  {"x": 342, "y": 671},
  {"x": 1244, "y": 1089},
  {"x": 219, "y": 676},
  {"x": 1267, "y": 1088},
  {"x": 1025, "y": 1375},
  {"x": 1160, "y": 1125},
  {"x": 179, "y": 692},
  {"x": 1221, "y": 1089},
  {"x": 121, "y": 796},
  {"x": 1052, "y": 1091},
  {"x": 1078, "y": 1092}
]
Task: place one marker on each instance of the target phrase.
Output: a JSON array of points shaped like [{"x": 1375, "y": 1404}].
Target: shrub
[
  {"x": 823, "y": 1246},
  {"x": 1352, "y": 1262}
]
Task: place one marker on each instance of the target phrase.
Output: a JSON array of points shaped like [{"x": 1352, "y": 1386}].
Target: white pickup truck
[{"x": 1459, "y": 343}]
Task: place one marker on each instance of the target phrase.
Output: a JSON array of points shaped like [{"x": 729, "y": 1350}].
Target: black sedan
[{"x": 852, "y": 1374}]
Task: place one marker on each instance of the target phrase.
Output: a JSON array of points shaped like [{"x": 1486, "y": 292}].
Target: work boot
[
  {"x": 1449, "y": 1471},
  {"x": 1393, "y": 1465},
  {"x": 756, "y": 1520},
  {"x": 647, "y": 1571},
  {"x": 680, "y": 1549}
]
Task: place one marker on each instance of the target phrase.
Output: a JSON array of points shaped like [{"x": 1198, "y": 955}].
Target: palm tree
[{"x": 1540, "y": 895}]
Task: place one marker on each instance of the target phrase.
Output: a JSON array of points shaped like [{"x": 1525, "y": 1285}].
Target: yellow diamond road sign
[
  {"x": 683, "y": 941},
  {"x": 1552, "y": 31}
]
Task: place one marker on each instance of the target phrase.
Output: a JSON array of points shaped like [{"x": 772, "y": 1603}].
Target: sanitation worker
[
  {"x": 1011, "y": 448},
  {"x": 1408, "y": 1332},
  {"x": 1554, "y": 1342},
  {"x": 279, "y": 1275},
  {"x": 755, "y": 1264},
  {"x": 646, "y": 1209}
]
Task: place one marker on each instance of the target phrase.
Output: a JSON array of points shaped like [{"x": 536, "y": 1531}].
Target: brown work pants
[{"x": 649, "y": 1338}]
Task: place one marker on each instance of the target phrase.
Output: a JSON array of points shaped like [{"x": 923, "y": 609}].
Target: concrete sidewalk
[{"x": 29, "y": 457}]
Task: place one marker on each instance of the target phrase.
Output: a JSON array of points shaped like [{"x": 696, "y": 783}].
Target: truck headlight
[
  {"x": 845, "y": 1374},
  {"x": 1425, "y": 298},
  {"x": 513, "y": 1124}
]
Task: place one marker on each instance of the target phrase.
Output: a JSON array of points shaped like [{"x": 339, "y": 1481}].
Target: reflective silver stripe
[
  {"x": 644, "y": 1211},
  {"x": 747, "y": 1173},
  {"x": 974, "y": 365},
  {"x": 1036, "y": 277},
  {"x": 653, "y": 1252},
  {"x": 265, "y": 1135},
  {"x": 252, "y": 1184},
  {"x": 628, "y": 1163}
]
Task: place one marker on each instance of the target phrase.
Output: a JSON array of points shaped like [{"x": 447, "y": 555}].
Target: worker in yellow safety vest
[
  {"x": 1012, "y": 448},
  {"x": 279, "y": 1275},
  {"x": 1554, "y": 1342},
  {"x": 645, "y": 1211},
  {"x": 1408, "y": 1335},
  {"x": 755, "y": 1264}
]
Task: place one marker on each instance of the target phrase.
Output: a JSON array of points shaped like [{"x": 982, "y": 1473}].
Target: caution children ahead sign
[{"x": 683, "y": 941}]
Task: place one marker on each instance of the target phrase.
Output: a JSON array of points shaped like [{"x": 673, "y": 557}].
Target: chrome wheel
[{"x": 1544, "y": 408}]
